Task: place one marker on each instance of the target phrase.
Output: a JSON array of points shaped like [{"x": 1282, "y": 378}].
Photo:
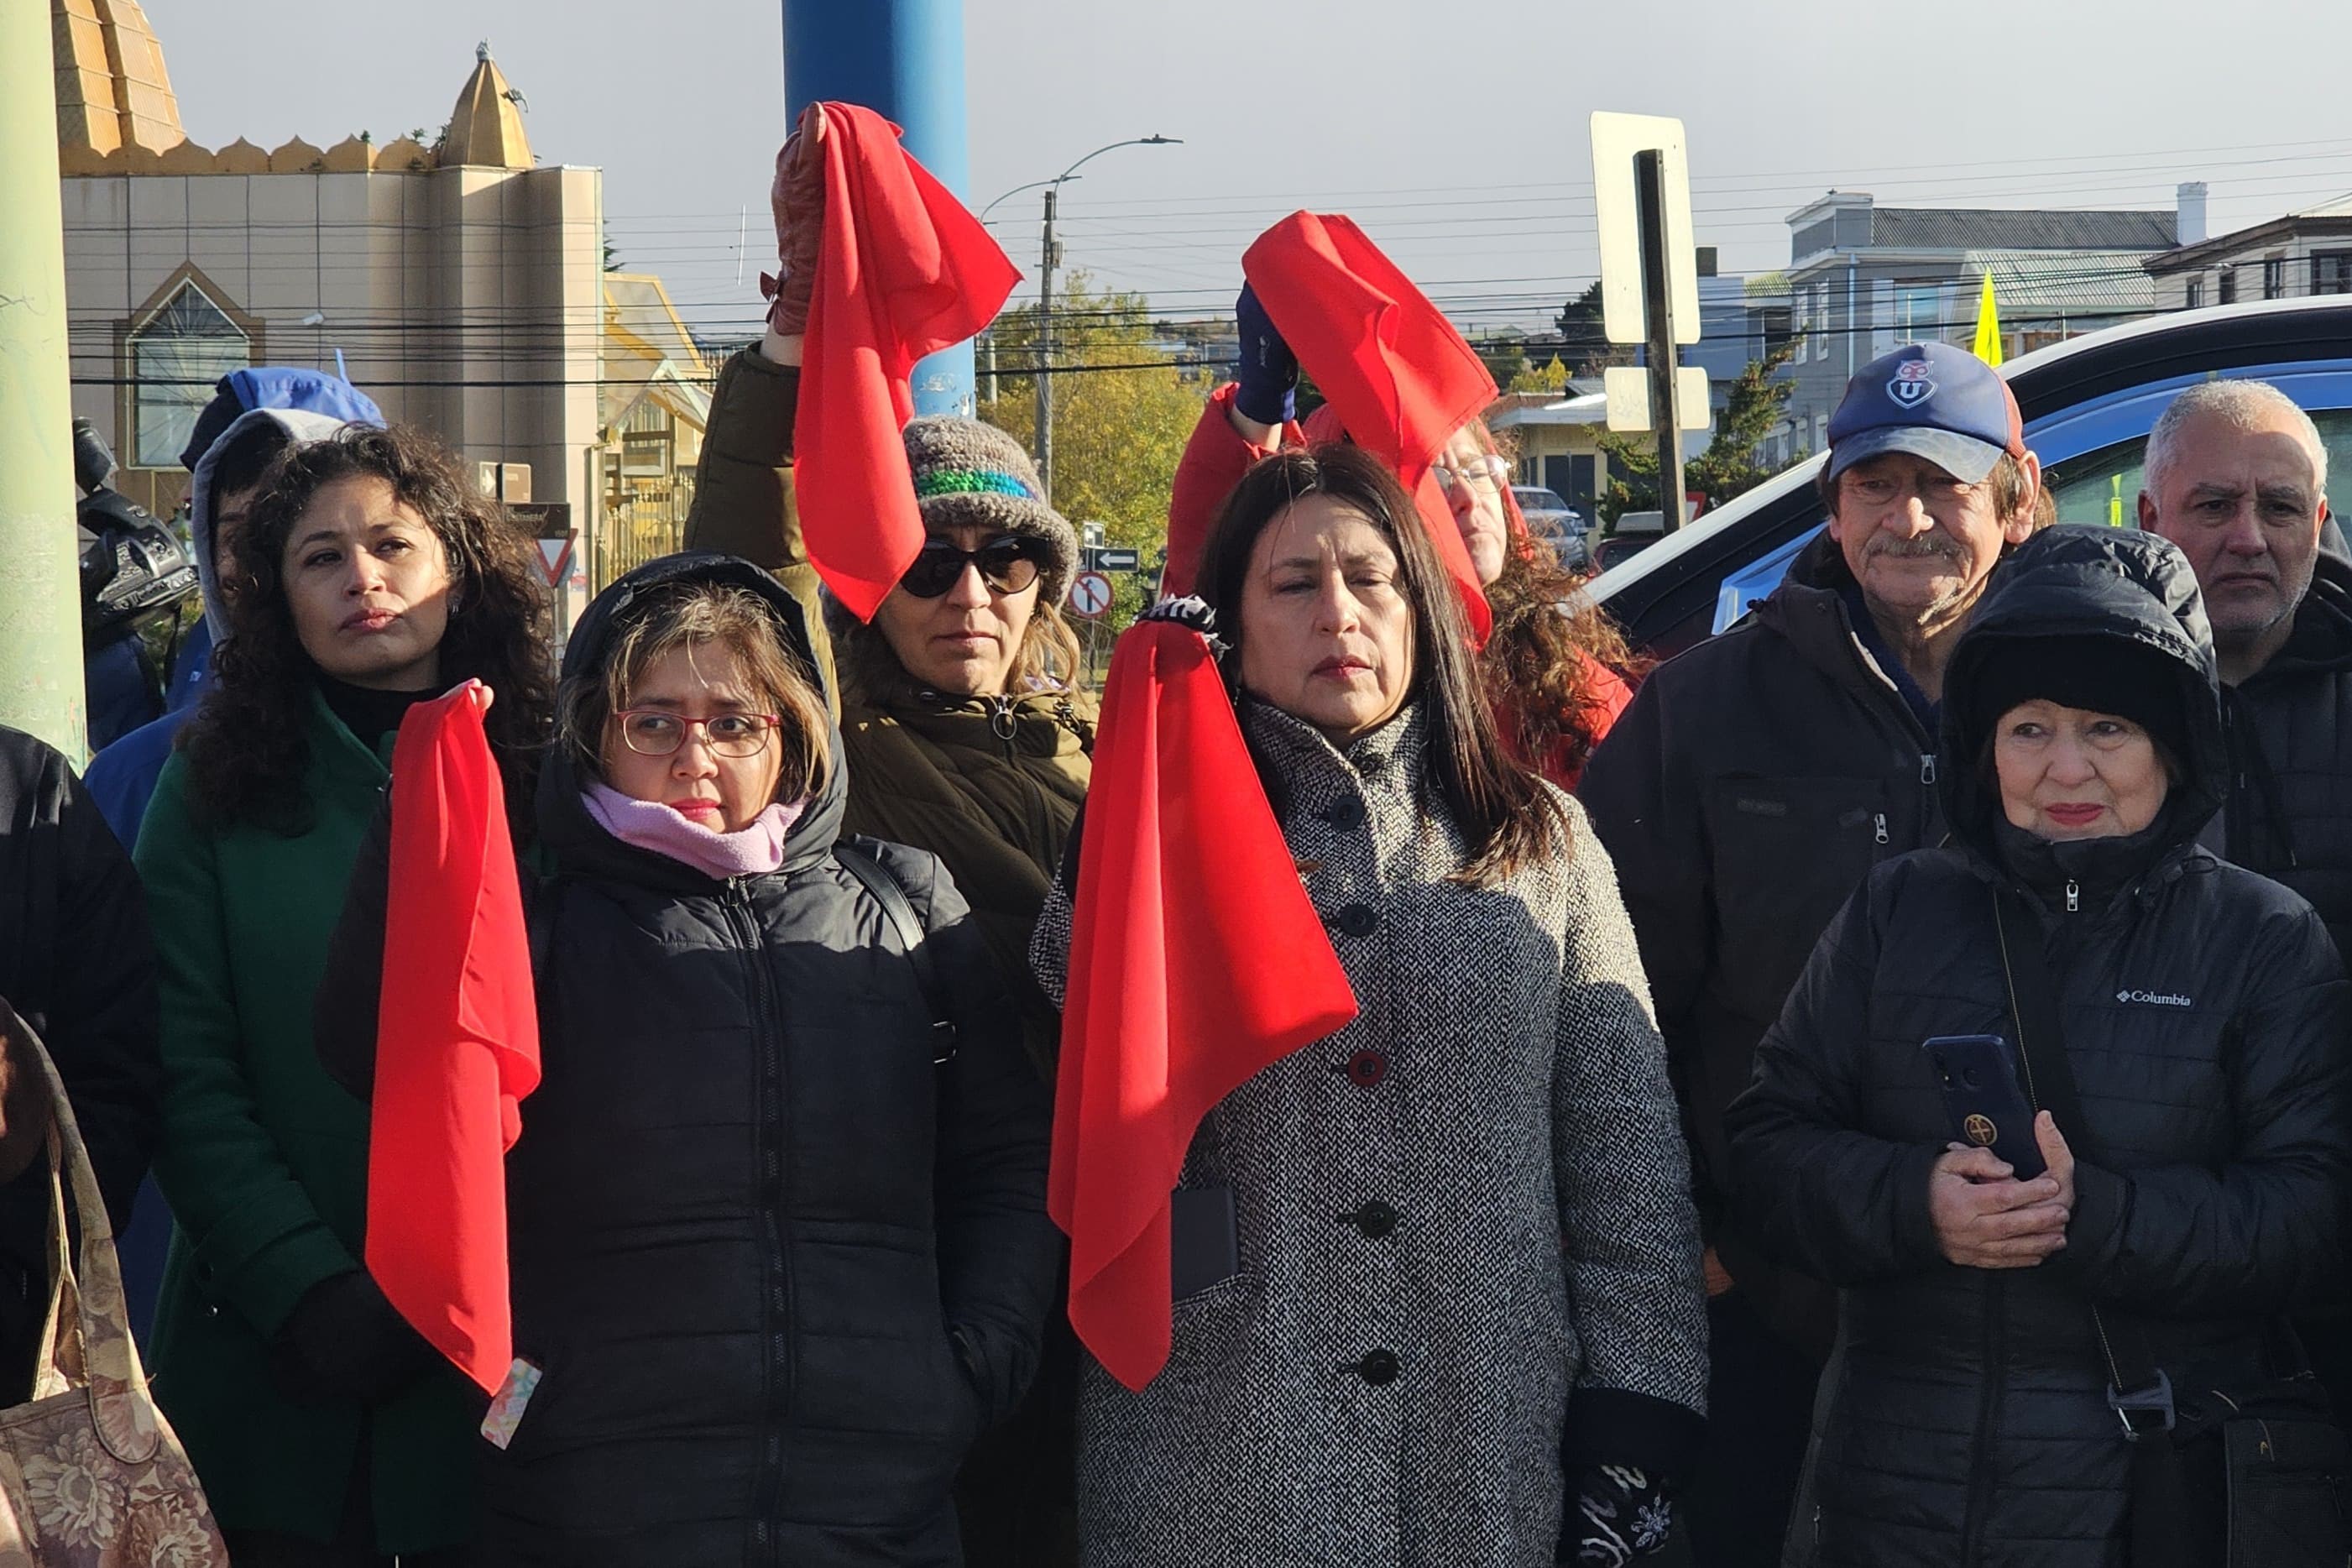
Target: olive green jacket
[
  {"x": 989, "y": 786},
  {"x": 264, "y": 1162}
]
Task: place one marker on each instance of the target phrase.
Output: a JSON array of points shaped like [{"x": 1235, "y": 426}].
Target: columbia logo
[{"x": 2155, "y": 998}]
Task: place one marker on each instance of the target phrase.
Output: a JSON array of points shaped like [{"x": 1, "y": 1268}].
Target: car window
[{"x": 2102, "y": 487}]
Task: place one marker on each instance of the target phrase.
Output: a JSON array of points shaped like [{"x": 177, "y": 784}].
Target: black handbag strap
[
  {"x": 879, "y": 880},
  {"x": 2138, "y": 1390}
]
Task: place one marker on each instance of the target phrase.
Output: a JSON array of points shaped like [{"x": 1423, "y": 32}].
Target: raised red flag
[
  {"x": 904, "y": 272},
  {"x": 456, "y": 1042},
  {"x": 1391, "y": 367},
  {"x": 1196, "y": 959}
]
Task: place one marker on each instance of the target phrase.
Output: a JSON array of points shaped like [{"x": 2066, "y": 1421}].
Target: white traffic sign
[
  {"x": 1617, "y": 140},
  {"x": 1089, "y": 595}
]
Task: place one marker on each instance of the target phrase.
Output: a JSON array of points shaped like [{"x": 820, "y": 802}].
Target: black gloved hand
[
  {"x": 345, "y": 1341},
  {"x": 1268, "y": 389},
  {"x": 1619, "y": 1514}
]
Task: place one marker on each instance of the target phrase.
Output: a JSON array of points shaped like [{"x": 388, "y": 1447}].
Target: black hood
[
  {"x": 574, "y": 837},
  {"x": 2078, "y": 582},
  {"x": 2322, "y": 640}
]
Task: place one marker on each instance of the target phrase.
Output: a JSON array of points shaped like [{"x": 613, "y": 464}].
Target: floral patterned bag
[{"x": 91, "y": 1474}]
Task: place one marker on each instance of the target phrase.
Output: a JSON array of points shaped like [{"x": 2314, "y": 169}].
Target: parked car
[
  {"x": 1632, "y": 532},
  {"x": 2088, "y": 404},
  {"x": 1555, "y": 522}
]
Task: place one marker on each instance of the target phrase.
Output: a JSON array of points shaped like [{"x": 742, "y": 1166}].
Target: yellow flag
[{"x": 1988, "y": 344}]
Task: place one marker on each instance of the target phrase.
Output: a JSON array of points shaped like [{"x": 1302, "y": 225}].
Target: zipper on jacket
[
  {"x": 2074, "y": 896},
  {"x": 1987, "y": 1415},
  {"x": 1878, "y": 826},
  {"x": 743, "y": 920},
  {"x": 1927, "y": 769}
]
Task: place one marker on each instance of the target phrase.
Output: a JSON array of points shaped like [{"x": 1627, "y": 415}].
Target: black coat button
[
  {"x": 1375, "y": 1219},
  {"x": 1347, "y": 814},
  {"x": 1358, "y": 920},
  {"x": 1366, "y": 1069},
  {"x": 1378, "y": 1368}
]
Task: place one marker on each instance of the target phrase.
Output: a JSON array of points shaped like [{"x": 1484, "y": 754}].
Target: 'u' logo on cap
[{"x": 1911, "y": 384}]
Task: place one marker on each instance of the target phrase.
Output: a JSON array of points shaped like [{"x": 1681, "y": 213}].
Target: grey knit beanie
[{"x": 970, "y": 473}]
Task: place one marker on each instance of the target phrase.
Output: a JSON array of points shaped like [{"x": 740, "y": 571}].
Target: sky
[{"x": 1453, "y": 130}]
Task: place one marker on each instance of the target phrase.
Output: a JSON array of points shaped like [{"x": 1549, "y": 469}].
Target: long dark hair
[
  {"x": 248, "y": 746},
  {"x": 1508, "y": 815}
]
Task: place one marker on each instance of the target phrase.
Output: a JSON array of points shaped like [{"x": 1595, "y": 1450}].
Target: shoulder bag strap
[
  {"x": 2138, "y": 1391},
  {"x": 877, "y": 879}
]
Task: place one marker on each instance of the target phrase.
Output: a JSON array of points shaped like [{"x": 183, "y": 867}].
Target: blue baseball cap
[{"x": 1933, "y": 401}]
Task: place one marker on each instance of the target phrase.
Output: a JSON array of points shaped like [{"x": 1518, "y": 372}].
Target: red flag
[
  {"x": 1397, "y": 374},
  {"x": 904, "y": 272},
  {"x": 456, "y": 1041},
  {"x": 1196, "y": 959}
]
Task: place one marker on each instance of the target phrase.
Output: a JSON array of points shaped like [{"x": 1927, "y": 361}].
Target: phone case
[{"x": 1984, "y": 1100}]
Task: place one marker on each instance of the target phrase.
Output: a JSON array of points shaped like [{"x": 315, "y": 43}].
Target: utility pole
[
  {"x": 1051, "y": 259},
  {"x": 1649, "y": 190},
  {"x": 40, "y": 584}
]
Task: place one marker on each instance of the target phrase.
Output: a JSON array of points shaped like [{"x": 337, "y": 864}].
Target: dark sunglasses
[{"x": 1007, "y": 565}]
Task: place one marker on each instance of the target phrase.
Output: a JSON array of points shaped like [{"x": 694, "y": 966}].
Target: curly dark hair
[
  {"x": 1506, "y": 815},
  {"x": 247, "y": 747},
  {"x": 1543, "y": 665}
]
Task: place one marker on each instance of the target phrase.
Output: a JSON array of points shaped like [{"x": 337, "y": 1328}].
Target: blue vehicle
[{"x": 2088, "y": 403}]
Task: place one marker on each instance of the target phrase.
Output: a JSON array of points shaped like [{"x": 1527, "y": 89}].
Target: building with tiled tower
[{"x": 460, "y": 283}]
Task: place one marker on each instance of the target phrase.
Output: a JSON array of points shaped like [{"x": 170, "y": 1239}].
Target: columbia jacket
[
  {"x": 2204, "y": 1011},
  {"x": 778, "y": 1268},
  {"x": 1745, "y": 795}
]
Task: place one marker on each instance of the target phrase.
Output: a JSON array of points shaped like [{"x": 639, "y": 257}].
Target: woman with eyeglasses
[
  {"x": 326, "y": 1431},
  {"x": 777, "y": 1217},
  {"x": 1554, "y": 668},
  {"x": 966, "y": 730}
]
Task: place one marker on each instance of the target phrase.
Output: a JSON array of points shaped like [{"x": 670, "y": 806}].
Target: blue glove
[{"x": 1268, "y": 389}]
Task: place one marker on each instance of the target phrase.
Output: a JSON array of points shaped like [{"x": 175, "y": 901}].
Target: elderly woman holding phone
[{"x": 2072, "y": 948}]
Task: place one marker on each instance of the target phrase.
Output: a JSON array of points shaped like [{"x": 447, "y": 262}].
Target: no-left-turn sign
[{"x": 1089, "y": 595}]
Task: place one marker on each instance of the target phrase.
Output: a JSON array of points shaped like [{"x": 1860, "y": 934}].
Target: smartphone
[{"x": 1984, "y": 1099}]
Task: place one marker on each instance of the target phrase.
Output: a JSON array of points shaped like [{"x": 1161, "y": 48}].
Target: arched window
[{"x": 176, "y": 357}]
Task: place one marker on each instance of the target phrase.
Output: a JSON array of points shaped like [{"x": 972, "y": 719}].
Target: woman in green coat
[{"x": 326, "y": 1432}]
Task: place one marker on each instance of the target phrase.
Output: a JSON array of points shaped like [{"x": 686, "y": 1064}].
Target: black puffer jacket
[
  {"x": 1744, "y": 795},
  {"x": 77, "y": 961},
  {"x": 1969, "y": 1424},
  {"x": 2289, "y": 813},
  {"x": 778, "y": 1268}
]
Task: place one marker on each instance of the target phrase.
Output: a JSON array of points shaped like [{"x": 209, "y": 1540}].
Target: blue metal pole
[{"x": 903, "y": 60}]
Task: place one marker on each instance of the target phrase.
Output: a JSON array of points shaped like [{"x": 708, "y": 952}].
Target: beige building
[{"x": 459, "y": 284}]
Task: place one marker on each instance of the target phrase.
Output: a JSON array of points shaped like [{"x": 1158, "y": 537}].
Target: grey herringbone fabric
[{"x": 1521, "y": 1128}]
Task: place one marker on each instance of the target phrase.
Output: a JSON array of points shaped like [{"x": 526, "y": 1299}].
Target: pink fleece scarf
[{"x": 753, "y": 851}]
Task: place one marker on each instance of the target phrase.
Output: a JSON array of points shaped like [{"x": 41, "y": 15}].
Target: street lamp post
[
  {"x": 1051, "y": 259},
  {"x": 989, "y": 337}
]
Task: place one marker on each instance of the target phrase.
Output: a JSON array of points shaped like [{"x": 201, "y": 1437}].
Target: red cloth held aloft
[
  {"x": 904, "y": 272},
  {"x": 1394, "y": 371},
  {"x": 1213, "y": 462},
  {"x": 1196, "y": 959},
  {"x": 456, "y": 1042}
]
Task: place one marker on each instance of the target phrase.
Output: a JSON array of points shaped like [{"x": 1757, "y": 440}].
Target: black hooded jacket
[
  {"x": 2204, "y": 1012},
  {"x": 2289, "y": 727},
  {"x": 1750, "y": 787},
  {"x": 778, "y": 1268}
]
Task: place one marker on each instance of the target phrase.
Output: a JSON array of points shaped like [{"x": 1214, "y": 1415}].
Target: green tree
[
  {"x": 1551, "y": 378},
  {"x": 1117, "y": 432},
  {"x": 1729, "y": 467}
]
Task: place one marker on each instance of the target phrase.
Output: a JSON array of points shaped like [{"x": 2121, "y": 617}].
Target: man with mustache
[{"x": 1745, "y": 795}]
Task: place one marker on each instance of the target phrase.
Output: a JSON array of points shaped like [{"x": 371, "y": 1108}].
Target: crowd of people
[{"x": 1635, "y": 1205}]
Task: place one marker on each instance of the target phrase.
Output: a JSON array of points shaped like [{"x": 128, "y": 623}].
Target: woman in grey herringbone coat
[{"x": 1465, "y": 1283}]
